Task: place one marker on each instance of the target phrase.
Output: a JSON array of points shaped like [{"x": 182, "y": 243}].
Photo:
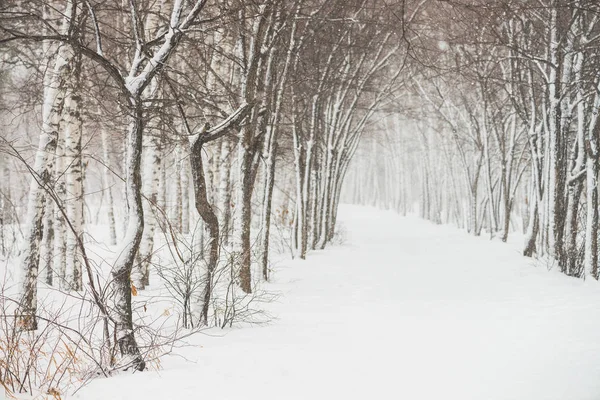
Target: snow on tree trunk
[
  {"x": 314, "y": 206},
  {"x": 590, "y": 262},
  {"x": 246, "y": 150},
  {"x": 299, "y": 245},
  {"x": 271, "y": 126},
  {"x": 592, "y": 224},
  {"x": 150, "y": 185},
  {"x": 575, "y": 184},
  {"x": 121, "y": 271}
]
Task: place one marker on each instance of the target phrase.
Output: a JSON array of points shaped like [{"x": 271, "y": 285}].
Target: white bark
[
  {"x": 107, "y": 183},
  {"x": 52, "y": 109},
  {"x": 73, "y": 177},
  {"x": 224, "y": 207}
]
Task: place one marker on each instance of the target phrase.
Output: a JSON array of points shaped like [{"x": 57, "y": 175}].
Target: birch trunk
[
  {"x": 271, "y": 144},
  {"x": 60, "y": 226},
  {"x": 47, "y": 250},
  {"x": 179, "y": 188},
  {"x": 225, "y": 190},
  {"x": 52, "y": 109},
  {"x": 590, "y": 263},
  {"x": 108, "y": 187},
  {"x": 74, "y": 176},
  {"x": 153, "y": 156},
  {"x": 592, "y": 224},
  {"x": 185, "y": 192},
  {"x": 121, "y": 272},
  {"x": 209, "y": 217}
]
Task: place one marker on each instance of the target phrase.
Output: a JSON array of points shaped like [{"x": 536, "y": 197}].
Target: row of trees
[
  {"x": 504, "y": 120},
  {"x": 164, "y": 129}
]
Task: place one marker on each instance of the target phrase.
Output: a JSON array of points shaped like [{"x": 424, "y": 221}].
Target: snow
[{"x": 401, "y": 309}]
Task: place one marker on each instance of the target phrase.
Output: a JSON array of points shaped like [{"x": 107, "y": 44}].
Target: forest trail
[{"x": 402, "y": 309}]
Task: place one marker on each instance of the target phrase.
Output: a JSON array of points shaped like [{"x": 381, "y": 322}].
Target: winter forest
[{"x": 279, "y": 199}]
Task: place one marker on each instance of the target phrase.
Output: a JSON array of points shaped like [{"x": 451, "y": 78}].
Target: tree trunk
[
  {"x": 60, "y": 225},
  {"x": 108, "y": 187},
  {"x": 592, "y": 223},
  {"x": 74, "y": 176},
  {"x": 534, "y": 222},
  {"x": 121, "y": 272},
  {"x": 225, "y": 190},
  {"x": 209, "y": 217},
  {"x": 268, "y": 201},
  {"x": 572, "y": 228},
  {"x": 54, "y": 98},
  {"x": 47, "y": 250},
  {"x": 153, "y": 156}
]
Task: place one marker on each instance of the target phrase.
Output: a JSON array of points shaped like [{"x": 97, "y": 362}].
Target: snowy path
[{"x": 403, "y": 310}]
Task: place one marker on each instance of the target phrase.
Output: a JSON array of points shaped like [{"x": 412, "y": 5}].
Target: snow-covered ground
[{"x": 403, "y": 309}]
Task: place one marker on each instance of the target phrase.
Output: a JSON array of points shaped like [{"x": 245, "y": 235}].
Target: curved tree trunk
[
  {"x": 121, "y": 272},
  {"x": 211, "y": 223}
]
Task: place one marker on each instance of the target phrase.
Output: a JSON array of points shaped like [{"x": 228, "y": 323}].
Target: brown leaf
[{"x": 54, "y": 393}]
